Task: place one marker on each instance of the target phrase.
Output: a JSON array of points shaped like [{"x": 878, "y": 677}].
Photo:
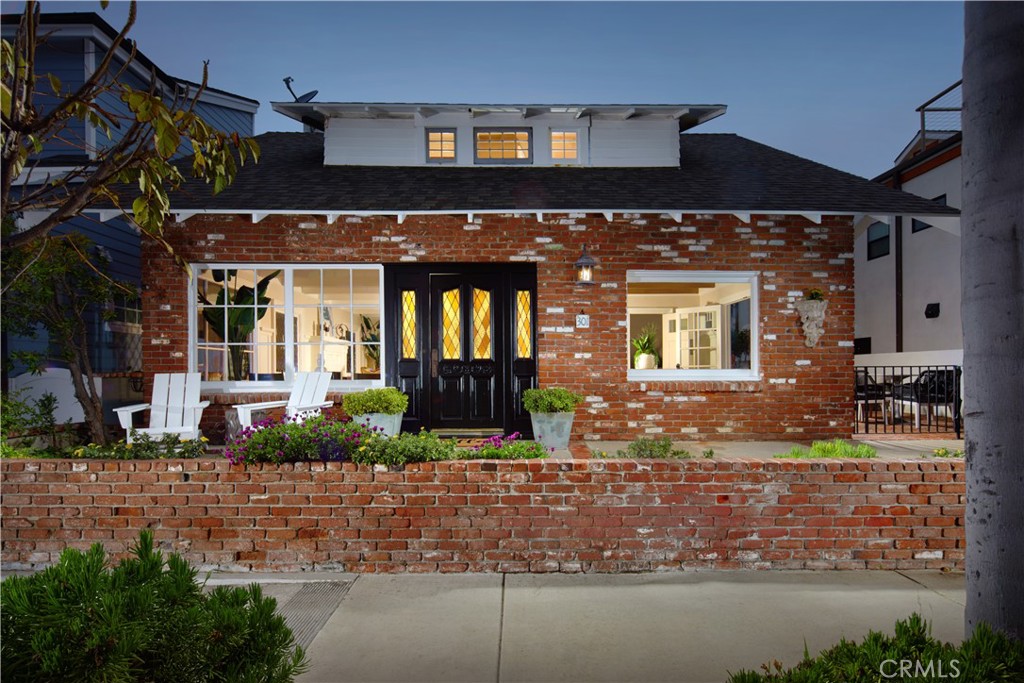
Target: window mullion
[{"x": 290, "y": 350}]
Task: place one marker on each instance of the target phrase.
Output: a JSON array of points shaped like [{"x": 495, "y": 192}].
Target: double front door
[{"x": 462, "y": 345}]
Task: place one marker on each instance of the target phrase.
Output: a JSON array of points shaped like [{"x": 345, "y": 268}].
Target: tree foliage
[
  {"x": 61, "y": 283},
  {"x": 138, "y": 134}
]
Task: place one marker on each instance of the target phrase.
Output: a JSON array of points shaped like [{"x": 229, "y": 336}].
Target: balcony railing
[{"x": 908, "y": 399}]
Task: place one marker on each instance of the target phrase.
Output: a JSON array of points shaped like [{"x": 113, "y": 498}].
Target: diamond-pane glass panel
[
  {"x": 524, "y": 340},
  {"x": 451, "y": 326},
  {"x": 481, "y": 324},
  {"x": 408, "y": 324}
]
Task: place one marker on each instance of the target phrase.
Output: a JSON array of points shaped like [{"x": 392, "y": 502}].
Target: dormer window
[
  {"x": 441, "y": 145},
  {"x": 503, "y": 145},
  {"x": 564, "y": 146}
]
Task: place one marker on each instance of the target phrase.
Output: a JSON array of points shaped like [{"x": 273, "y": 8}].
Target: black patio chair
[
  {"x": 932, "y": 388},
  {"x": 868, "y": 393}
]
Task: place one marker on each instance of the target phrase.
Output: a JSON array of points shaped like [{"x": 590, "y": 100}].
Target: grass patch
[{"x": 837, "y": 448}]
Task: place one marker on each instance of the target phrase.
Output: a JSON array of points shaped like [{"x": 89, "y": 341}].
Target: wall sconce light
[{"x": 585, "y": 265}]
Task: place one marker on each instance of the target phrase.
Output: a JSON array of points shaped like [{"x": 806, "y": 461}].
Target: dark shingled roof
[{"x": 717, "y": 173}]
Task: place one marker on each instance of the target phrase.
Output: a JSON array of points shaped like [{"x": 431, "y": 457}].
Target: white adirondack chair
[
  {"x": 308, "y": 398},
  {"x": 175, "y": 407}
]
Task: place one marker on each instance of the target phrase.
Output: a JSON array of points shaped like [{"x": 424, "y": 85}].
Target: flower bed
[{"x": 326, "y": 438}]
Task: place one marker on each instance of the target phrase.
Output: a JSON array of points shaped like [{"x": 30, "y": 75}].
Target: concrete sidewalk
[{"x": 680, "y": 627}]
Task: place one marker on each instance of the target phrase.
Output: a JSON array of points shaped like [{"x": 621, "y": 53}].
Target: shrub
[
  {"x": 553, "y": 400},
  {"x": 985, "y": 657},
  {"x": 144, "y": 620},
  {"x": 652, "y": 448},
  {"x": 837, "y": 448},
  {"x": 943, "y": 452},
  {"x": 322, "y": 437},
  {"x": 509, "y": 447},
  {"x": 388, "y": 400},
  {"x": 143, "y": 447},
  {"x": 404, "y": 448}
]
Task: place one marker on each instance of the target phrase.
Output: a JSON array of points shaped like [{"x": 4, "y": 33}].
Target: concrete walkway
[{"x": 680, "y": 627}]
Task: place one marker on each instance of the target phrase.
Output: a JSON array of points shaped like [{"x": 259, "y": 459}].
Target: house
[
  {"x": 907, "y": 269},
  {"x": 74, "y": 44},
  {"x": 467, "y": 252}
]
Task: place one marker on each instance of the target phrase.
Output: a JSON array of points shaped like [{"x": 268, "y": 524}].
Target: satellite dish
[{"x": 305, "y": 98}]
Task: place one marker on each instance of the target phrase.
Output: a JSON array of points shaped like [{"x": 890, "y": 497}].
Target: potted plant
[
  {"x": 551, "y": 413},
  {"x": 379, "y": 409},
  {"x": 645, "y": 355},
  {"x": 812, "y": 315}
]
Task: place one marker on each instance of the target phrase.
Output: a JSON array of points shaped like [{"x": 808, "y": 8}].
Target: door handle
[{"x": 433, "y": 363}]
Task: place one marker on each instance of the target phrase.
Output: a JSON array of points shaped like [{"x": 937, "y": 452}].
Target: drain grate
[{"x": 310, "y": 608}]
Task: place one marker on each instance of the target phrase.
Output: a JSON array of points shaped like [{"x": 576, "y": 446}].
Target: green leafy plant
[
  {"x": 146, "y": 619},
  {"x": 644, "y": 343},
  {"x": 510, "y": 447},
  {"x": 551, "y": 400},
  {"x": 814, "y": 294},
  {"x": 708, "y": 453},
  {"x": 143, "y": 447},
  {"x": 946, "y": 453},
  {"x": 985, "y": 657},
  {"x": 369, "y": 333},
  {"x": 21, "y": 422},
  {"x": 837, "y": 448},
  {"x": 388, "y": 400},
  {"x": 645, "y": 447},
  {"x": 323, "y": 437},
  {"x": 398, "y": 450},
  {"x": 245, "y": 308}
]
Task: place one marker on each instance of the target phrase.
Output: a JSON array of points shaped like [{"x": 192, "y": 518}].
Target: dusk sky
[{"x": 834, "y": 82}]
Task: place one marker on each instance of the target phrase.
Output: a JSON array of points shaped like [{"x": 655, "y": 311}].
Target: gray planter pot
[
  {"x": 388, "y": 425},
  {"x": 552, "y": 430}
]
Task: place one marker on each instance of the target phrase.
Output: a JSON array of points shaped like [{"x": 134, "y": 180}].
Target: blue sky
[{"x": 833, "y": 82}]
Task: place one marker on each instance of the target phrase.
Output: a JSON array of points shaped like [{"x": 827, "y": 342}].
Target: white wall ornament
[{"x": 812, "y": 317}]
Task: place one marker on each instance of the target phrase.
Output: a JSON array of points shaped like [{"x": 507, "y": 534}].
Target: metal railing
[{"x": 908, "y": 399}]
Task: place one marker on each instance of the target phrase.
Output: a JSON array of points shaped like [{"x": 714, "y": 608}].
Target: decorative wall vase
[{"x": 812, "y": 317}]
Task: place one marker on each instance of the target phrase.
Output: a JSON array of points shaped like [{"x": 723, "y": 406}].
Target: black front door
[
  {"x": 467, "y": 340},
  {"x": 462, "y": 345}
]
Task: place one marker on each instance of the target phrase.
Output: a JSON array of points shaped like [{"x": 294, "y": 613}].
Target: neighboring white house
[{"x": 908, "y": 271}]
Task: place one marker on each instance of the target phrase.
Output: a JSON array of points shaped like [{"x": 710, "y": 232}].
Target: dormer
[{"x": 488, "y": 135}]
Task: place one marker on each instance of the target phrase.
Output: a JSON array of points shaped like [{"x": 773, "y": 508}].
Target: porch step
[{"x": 467, "y": 433}]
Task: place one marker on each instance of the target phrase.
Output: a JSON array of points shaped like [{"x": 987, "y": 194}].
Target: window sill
[
  {"x": 694, "y": 376},
  {"x": 246, "y": 388}
]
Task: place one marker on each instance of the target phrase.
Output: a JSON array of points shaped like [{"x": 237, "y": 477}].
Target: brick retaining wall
[{"x": 487, "y": 516}]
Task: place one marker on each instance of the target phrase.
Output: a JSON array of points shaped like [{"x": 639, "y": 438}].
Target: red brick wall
[
  {"x": 537, "y": 516},
  {"x": 804, "y": 392}
]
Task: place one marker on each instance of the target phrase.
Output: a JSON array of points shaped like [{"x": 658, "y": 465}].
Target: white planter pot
[
  {"x": 646, "y": 361},
  {"x": 552, "y": 430},
  {"x": 388, "y": 425}
]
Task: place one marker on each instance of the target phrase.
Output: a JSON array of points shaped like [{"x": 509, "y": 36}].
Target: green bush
[
  {"x": 404, "y": 448},
  {"x": 322, "y": 437},
  {"x": 143, "y": 447},
  {"x": 553, "y": 400},
  {"x": 644, "y": 447},
  {"x": 985, "y": 657},
  {"x": 144, "y": 620},
  {"x": 389, "y": 400},
  {"x": 509, "y": 448},
  {"x": 837, "y": 448}
]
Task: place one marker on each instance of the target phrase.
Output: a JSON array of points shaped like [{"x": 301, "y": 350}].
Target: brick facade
[
  {"x": 495, "y": 516},
  {"x": 803, "y": 392}
]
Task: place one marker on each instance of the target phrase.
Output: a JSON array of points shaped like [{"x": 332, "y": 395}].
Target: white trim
[
  {"x": 717, "y": 276},
  {"x": 742, "y": 215},
  {"x": 183, "y": 216},
  {"x": 609, "y": 216},
  {"x": 290, "y": 344},
  {"x": 257, "y": 217},
  {"x": 813, "y": 217}
]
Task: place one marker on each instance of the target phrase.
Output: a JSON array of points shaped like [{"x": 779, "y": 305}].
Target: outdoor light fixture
[{"x": 585, "y": 268}]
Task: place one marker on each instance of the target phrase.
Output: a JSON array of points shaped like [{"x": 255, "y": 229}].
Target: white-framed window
[
  {"x": 440, "y": 145},
  {"x": 503, "y": 145},
  {"x": 565, "y": 146},
  {"x": 691, "y": 325},
  {"x": 253, "y": 326}
]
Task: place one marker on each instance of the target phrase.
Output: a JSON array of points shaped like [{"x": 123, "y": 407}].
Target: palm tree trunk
[{"x": 992, "y": 265}]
